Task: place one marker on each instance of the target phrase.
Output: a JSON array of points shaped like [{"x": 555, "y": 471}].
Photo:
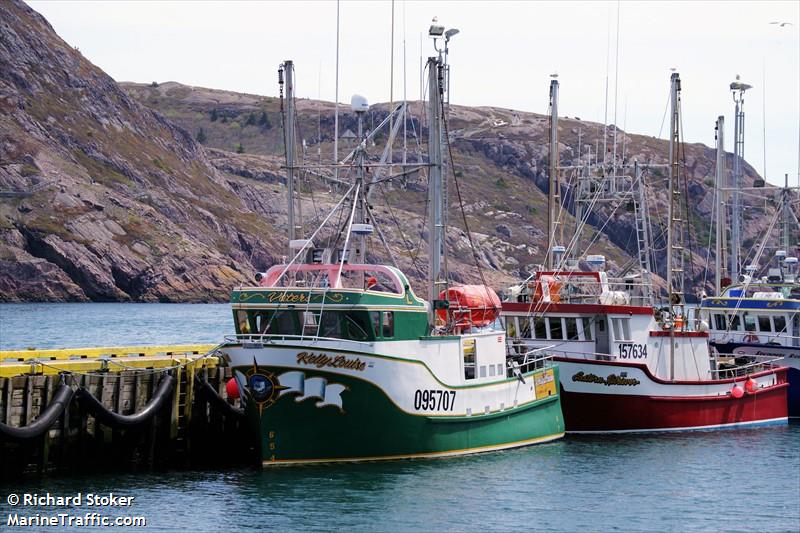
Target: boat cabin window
[
  {"x": 281, "y": 323},
  {"x": 242, "y": 322},
  {"x": 780, "y": 323},
  {"x": 511, "y": 326},
  {"x": 356, "y": 326},
  {"x": 468, "y": 351},
  {"x": 310, "y": 321},
  {"x": 329, "y": 324},
  {"x": 555, "y": 328},
  {"x": 719, "y": 322},
  {"x": 734, "y": 322},
  {"x": 262, "y": 322},
  {"x": 388, "y": 324},
  {"x": 375, "y": 318},
  {"x": 524, "y": 327},
  {"x": 382, "y": 323},
  {"x": 572, "y": 328},
  {"x": 540, "y": 329},
  {"x": 587, "y": 328},
  {"x": 749, "y": 323},
  {"x": 764, "y": 323},
  {"x": 328, "y": 328},
  {"x": 622, "y": 329}
]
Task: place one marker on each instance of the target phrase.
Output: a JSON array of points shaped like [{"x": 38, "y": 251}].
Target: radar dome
[{"x": 359, "y": 103}]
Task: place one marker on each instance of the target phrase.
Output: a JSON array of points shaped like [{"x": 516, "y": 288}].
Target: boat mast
[
  {"x": 336, "y": 104},
  {"x": 405, "y": 100},
  {"x": 786, "y": 214},
  {"x": 391, "y": 87},
  {"x": 737, "y": 89},
  {"x": 359, "y": 105},
  {"x": 674, "y": 226},
  {"x": 643, "y": 233},
  {"x": 553, "y": 195},
  {"x": 437, "y": 272},
  {"x": 719, "y": 181},
  {"x": 288, "y": 72}
]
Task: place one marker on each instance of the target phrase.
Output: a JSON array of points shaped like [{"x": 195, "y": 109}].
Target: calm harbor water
[{"x": 739, "y": 480}]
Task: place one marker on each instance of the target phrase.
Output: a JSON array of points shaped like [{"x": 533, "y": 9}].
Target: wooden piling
[{"x": 187, "y": 432}]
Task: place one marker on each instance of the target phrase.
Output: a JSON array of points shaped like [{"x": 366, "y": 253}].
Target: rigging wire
[
  {"x": 689, "y": 225},
  {"x": 406, "y": 243},
  {"x": 458, "y": 193},
  {"x": 710, "y": 233}
]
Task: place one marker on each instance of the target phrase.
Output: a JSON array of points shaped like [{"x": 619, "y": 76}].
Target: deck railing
[
  {"x": 757, "y": 337},
  {"x": 520, "y": 359},
  {"x": 755, "y": 363},
  {"x": 253, "y": 341}
]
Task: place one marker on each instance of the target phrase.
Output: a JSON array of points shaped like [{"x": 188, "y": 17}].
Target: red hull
[{"x": 618, "y": 412}]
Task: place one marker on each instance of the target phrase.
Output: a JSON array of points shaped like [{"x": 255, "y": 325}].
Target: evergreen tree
[
  {"x": 213, "y": 115},
  {"x": 251, "y": 119},
  {"x": 201, "y": 136},
  {"x": 239, "y": 148}
]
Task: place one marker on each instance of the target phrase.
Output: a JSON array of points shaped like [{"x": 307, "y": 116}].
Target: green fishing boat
[{"x": 339, "y": 360}]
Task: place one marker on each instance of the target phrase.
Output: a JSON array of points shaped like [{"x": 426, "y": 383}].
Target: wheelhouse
[{"x": 364, "y": 303}]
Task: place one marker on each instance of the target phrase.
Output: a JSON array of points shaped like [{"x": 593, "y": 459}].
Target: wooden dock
[{"x": 128, "y": 426}]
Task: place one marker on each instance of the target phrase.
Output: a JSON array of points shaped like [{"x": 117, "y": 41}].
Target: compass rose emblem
[{"x": 264, "y": 386}]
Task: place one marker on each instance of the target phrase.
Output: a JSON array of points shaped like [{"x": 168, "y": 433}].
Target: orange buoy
[
  {"x": 737, "y": 391},
  {"x": 750, "y": 385}
]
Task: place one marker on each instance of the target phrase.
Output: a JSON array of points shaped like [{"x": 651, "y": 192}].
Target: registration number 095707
[{"x": 434, "y": 400}]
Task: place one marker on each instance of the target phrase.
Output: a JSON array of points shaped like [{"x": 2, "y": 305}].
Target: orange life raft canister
[{"x": 470, "y": 305}]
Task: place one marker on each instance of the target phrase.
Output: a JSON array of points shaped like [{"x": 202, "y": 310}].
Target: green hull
[{"x": 371, "y": 427}]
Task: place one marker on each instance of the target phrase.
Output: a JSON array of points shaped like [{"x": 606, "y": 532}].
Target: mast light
[
  {"x": 436, "y": 30},
  {"x": 739, "y": 85}
]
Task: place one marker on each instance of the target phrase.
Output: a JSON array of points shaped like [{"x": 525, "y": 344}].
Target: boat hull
[
  {"x": 364, "y": 421},
  {"x": 634, "y": 401},
  {"x": 791, "y": 358}
]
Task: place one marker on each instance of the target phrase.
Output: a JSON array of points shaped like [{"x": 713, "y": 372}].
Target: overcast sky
[{"x": 502, "y": 57}]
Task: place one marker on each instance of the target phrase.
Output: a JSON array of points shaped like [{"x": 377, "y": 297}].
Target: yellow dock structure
[
  {"x": 124, "y": 380},
  {"x": 103, "y": 359}
]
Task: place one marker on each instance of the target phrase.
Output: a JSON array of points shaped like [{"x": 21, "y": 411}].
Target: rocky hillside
[
  {"x": 501, "y": 157},
  {"x": 175, "y": 193},
  {"x": 100, "y": 197}
]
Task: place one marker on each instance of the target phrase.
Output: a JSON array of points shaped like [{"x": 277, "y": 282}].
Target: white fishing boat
[{"x": 754, "y": 314}]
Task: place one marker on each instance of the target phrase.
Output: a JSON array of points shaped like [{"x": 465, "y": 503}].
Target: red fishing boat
[{"x": 626, "y": 366}]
